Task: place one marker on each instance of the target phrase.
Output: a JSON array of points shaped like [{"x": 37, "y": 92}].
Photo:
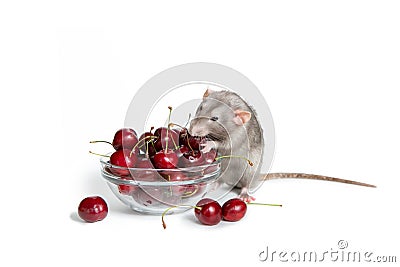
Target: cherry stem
[
  {"x": 264, "y": 204},
  {"x": 188, "y": 143},
  {"x": 100, "y": 141},
  {"x": 173, "y": 207},
  {"x": 151, "y": 129},
  {"x": 174, "y": 124},
  {"x": 190, "y": 115},
  {"x": 234, "y": 156},
  {"x": 144, "y": 138},
  {"x": 97, "y": 154},
  {"x": 189, "y": 194},
  {"x": 147, "y": 149},
  {"x": 169, "y": 119},
  {"x": 187, "y": 136},
  {"x": 175, "y": 145}
]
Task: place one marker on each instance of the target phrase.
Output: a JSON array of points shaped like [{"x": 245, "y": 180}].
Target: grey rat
[{"x": 232, "y": 125}]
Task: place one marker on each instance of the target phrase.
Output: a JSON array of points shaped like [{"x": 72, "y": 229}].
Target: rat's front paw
[
  {"x": 207, "y": 146},
  {"x": 244, "y": 195}
]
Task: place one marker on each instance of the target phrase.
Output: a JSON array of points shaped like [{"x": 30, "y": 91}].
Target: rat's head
[{"x": 219, "y": 116}]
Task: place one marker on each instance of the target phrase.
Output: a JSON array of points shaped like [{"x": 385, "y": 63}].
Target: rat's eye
[{"x": 214, "y": 118}]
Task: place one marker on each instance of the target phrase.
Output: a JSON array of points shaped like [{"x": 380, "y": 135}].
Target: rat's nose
[{"x": 195, "y": 129}]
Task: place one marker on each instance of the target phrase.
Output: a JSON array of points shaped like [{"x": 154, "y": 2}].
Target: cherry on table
[
  {"x": 234, "y": 210},
  {"x": 208, "y": 211},
  {"x": 93, "y": 209}
]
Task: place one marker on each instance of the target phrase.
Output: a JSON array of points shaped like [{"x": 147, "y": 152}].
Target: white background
[{"x": 329, "y": 71}]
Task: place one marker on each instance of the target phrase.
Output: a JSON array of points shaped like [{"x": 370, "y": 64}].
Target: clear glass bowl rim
[{"x": 209, "y": 177}]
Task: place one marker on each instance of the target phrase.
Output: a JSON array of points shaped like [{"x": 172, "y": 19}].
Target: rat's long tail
[{"x": 282, "y": 175}]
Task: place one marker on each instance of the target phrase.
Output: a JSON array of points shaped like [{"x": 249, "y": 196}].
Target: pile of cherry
[{"x": 165, "y": 149}]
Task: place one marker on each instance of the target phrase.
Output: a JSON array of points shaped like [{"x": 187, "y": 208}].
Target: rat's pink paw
[
  {"x": 244, "y": 195},
  {"x": 207, "y": 146}
]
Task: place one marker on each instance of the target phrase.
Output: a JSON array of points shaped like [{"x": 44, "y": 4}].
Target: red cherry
[
  {"x": 184, "y": 137},
  {"x": 195, "y": 142},
  {"x": 208, "y": 211},
  {"x": 125, "y": 138},
  {"x": 191, "y": 158},
  {"x": 122, "y": 158},
  {"x": 93, "y": 209},
  {"x": 144, "y": 170},
  {"x": 146, "y": 141},
  {"x": 151, "y": 150},
  {"x": 181, "y": 150},
  {"x": 172, "y": 139},
  {"x": 126, "y": 189},
  {"x": 177, "y": 131},
  {"x": 165, "y": 159},
  {"x": 234, "y": 210}
]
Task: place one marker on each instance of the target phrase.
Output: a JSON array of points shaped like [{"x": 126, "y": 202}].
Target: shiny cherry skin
[
  {"x": 191, "y": 158},
  {"x": 151, "y": 150},
  {"x": 208, "y": 211},
  {"x": 123, "y": 158},
  {"x": 93, "y": 209},
  {"x": 195, "y": 142},
  {"x": 184, "y": 137},
  {"x": 165, "y": 159},
  {"x": 146, "y": 140},
  {"x": 181, "y": 150},
  {"x": 162, "y": 139},
  {"x": 234, "y": 210},
  {"x": 125, "y": 138}
]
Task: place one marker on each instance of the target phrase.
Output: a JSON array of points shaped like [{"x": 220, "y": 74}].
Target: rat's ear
[
  {"x": 207, "y": 93},
  {"x": 241, "y": 117}
]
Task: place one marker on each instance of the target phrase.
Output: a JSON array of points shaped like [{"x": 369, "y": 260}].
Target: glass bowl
[{"x": 151, "y": 191}]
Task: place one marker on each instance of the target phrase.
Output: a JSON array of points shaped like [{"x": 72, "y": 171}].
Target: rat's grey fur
[{"x": 230, "y": 138}]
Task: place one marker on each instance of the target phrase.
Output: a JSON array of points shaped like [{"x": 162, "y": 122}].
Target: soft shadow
[
  {"x": 121, "y": 208},
  {"x": 75, "y": 217},
  {"x": 192, "y": 218}
]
